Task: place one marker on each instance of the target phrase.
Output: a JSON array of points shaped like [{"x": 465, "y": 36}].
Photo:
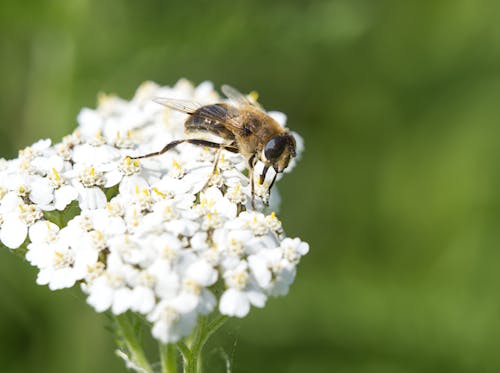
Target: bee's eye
[{"x": 275, "y": 147}]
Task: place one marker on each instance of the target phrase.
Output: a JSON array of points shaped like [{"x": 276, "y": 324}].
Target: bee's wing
[
  {"x": 220, "y": 113},
  {"x": 186, "y": 106},
  {"x": 234, "y": 95},
  {"x": 224, "y": 114}
]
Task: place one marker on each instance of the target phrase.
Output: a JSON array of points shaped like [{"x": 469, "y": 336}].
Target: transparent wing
[
  {"x": 236, "y": 96},
  {"x": 186, "y": 106},
  {"x": 224, "y": 114}
]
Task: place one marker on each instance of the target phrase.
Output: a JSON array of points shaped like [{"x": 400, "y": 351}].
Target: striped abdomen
[{"x": 197, "y": 124}]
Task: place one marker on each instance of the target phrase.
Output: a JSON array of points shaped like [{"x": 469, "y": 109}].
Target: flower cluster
[{"x": 146, "y": 235}]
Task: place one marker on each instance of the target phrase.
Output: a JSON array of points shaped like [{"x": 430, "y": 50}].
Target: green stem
[
  {"x": 133, "y": 345},
  {"x": 193, "y": 363},
  {"x": 213, "y": 326},
  {"x": 204, "y": 330},
  {"x": 185, "y": 351},
  {"x": 168, "y": 356}
]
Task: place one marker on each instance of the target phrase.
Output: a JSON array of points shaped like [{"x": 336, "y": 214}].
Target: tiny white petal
[
  {"x": 13, "y": 232},
  {"x": 257, "y": 298},
  {"x": 234, "y": 303},
  {"x": 42, "y": 231},
  {"x": 101, "y": 297},
  {"x": 259, "y": 268},
  {"x": 122, "y": 301},
  {"x": 41, "y": 192},
  {"x": 143, "y": 299},
  {"x": 64, "y": 196},
  {"x": 202, "y": 272}
]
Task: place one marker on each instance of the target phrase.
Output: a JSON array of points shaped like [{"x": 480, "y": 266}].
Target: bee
[{"x": 242, "y": 127}]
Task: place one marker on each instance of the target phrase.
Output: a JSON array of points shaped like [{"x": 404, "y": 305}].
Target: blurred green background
[{"x": 397, "y": 193}]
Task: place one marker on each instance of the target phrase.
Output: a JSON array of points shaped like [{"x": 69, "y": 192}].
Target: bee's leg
[
  {"x": 211, "y": 144},
  {"x": 271, "y": 185},
  {"x": 219, "y": 148},
  {"x": 173, "y": 144},
  {"x": 214, "y": 170},
  {"x": 251, "y": 164},
  {"x": 167, "y": 147},
  {"x": 262, "y": 177}
]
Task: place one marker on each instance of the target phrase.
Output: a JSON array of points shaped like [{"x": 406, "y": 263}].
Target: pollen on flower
[
  {"x": 211, "y": 220},
  {"x": 23, "y": 190},
  {"x": 205, "y": 205},
  {"x": 63, "y": 259},
  {"x": 238, "y": 279},
  {"x": 169, "y": 253},
  {"x": 114, "y": 280},
  {"x": 192, "y": 286},
  {"x": 235, "y": 194},
  {"x": 170, "y": 316},
  {"x": 129, "y": 167},
  {"x": 3, "y": 192},
  {"x": 98, "y": 241},
  {"x": 177, "y": 171},
  {"x": 72, "y": 139},
  {"x": 224, "y": 164},
  {"x": 115, "y": 208},
  {"x": 291, "y": 255},
  {"x": 56, "y": 180},
  {"x": 146, "y": 279},
  {"x": 94, "y": 271},
  {"x": 98, "y": 139},
  {"x": 216, "y": 179},
  {"x": 236, "y": 247},
  {"x": 144, "y": 199},
  {"x": 160, "y": 194},
  {"x": 85, "y": 223},
  {"x": 133, "y": 219},
  {"x": 212, "y": 255},
  {"x": 206, "y": 154},
  {"x": 27, "y": 154},
  {"x": 168, "y": 213},
  {"x": 26, "y": 166},
  {"x": 29, "y": 213},
  {"x": 64, "y": 151},
  {"x": 124, "y": 142},
  {"x": 89, "y": 177},
  {"x": 273, "y": 222},
  {"x": 258, "y": 225}
]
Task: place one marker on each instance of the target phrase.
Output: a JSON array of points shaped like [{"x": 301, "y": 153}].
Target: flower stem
[
  {"x": 214, "y": 324},
  {"x": 168, "y": 356},
  {"x": 184, "y": 349},
  {"x": 204, "y": 330},
  {"x": 193, "y": 362},
  {"x": 133, "y": 345}
]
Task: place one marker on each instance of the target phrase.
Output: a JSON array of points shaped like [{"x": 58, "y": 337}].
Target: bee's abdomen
[{"x": 199, "y": 124}]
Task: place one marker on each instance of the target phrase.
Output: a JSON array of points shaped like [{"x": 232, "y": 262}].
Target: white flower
[
  {"x": 111, "y": 290},
  {"x": 171, "y": 322},
  {"x": 62, "y": 260},
  {"x": 52, "y": 192},
  {"x": 88, "y": 183},
  {"x": 159, "y": 235},
  {"x": 16, "y": 217},
  {"x": 241, "y": 293}
]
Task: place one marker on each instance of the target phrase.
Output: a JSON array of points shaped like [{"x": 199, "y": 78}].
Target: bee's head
[{"x": 278, "y": 151}]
